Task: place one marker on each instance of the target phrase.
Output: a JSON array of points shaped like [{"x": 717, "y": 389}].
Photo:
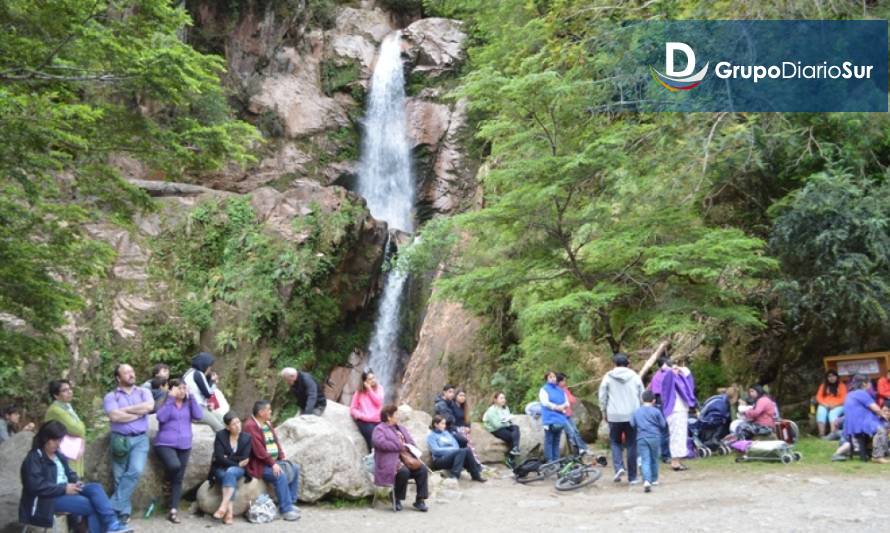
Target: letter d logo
[{"x": 674, "y": 80}]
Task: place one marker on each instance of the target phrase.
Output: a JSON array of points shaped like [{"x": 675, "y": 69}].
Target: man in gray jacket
[{"x": 620, "y": 392}]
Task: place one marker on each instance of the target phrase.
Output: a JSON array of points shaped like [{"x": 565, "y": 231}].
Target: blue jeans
[
  {"x": 228, "y": 477},
  {"x": 650, "y": 450},
  {"x": 552, "y": 436},
  {"x": 573, "y": 436},
  {"x": 127, "y": 473},
  {"x": 92, "y": 503},
  {"x": 287, "y": 492},
  {"x": 824, "y": 415},
  {"x": 621, "y": 435}
]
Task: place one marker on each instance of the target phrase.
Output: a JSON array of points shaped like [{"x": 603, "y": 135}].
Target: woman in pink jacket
[{"x": 366, "y": 405}]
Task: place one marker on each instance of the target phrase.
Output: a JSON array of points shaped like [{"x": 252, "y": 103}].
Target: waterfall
[{"x": 386, "y": 183}]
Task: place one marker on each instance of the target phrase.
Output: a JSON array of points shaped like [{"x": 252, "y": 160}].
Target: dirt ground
[{"x": 744, "y": 497}]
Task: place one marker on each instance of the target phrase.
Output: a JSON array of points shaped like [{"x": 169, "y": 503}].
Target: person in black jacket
[
  {"x": 49, "y": 486},
  {"x": 231, "y": 451},
  {"x": 310, "y": 398},
  {"x": 448, "y": 410}
]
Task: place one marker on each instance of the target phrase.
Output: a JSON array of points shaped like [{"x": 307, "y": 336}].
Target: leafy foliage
[{"x": 80, "y": 81}]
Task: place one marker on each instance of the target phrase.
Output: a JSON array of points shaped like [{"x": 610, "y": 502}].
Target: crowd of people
[{"x": 647, "y": 426}]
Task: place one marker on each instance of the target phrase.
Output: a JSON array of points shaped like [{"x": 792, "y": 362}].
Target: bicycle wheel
[
  {"x": 531, "y": 477},
  {"x": 579, "y": 476}
]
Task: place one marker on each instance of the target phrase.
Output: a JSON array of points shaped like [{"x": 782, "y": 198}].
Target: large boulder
[
  {"x": 491, "y": 449},
  {"x": 417, "y": 423},
  {"x": 12, "y": 454},
  {"x": 152, "y": 484},
  {"x": 434, "y": 45},
  {"x": 338, "y": 416},
  {"x": 329, "y": 459},
  {"x": 209, "y": 497}
]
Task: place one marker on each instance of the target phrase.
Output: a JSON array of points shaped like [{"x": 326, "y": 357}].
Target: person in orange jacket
[
  {"x": 884, "y": 388},
  {"x": 830, "y": 399}
]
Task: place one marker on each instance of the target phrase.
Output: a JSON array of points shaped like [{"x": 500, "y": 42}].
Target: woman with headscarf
[
  {"x": 201, "y": 388},
  {"x": 677, "y": 397}
]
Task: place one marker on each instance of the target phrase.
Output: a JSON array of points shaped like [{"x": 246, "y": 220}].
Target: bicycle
[{"x": 572, "y": 472}]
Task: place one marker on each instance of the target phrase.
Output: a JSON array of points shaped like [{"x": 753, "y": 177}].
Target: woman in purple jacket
[
  {"x": 173, "y": 442},
  {"x": 389, "y": 440}
]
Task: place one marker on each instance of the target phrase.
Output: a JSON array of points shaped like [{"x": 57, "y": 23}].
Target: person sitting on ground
[
  {"x": 499, "y": 422},
  {"x": 200, "y": 386},
  {"x": 880, "y": 443},
  {"x": 61, "y": 392},
  {"x": 9, "y": 422},
  {"x": 390, "y": 441},
  {"x": 267, "y": 460},
  {"x": 884, "y": 388},
  {"x": 760, "y": 418},
  {"x": 231, "y": 453},
  {"x": 448, "y": 455},
  {"x": 446, "y": 407},
  {"x": 572, "y": 434},
  {"x": 553, "y": 415},
  {"x": 49, "y": 486},
  {"x": 173, "y": 443},
  {"x": 304, "y": 387},
  {"x": 830, "y": 399},
  {"x": 160, "y": 370},
  {"x": 366, "y": 404},
  {"x": 862, "y": 416},
  {"x": 649, "y": 423}
]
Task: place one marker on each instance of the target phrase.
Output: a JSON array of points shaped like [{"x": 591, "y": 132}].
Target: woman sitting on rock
[
  {"x": 231, "y": 452},
  {"x": 392, "y": 450},
  {"x": 498, "y": 421},
  {"x": 830, "y": 399},
  {"x": 49, "y": 486},
  {"x": 447, "y": 453},
  {"x": 366, "y": 404}
]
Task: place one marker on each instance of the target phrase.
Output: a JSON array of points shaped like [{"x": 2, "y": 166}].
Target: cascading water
[{"x": 386, "y": 183}]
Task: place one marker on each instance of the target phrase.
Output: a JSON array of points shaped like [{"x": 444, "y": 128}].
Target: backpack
[
  {"x": 262, "y": 510},
  {"x": 527, "y": 467}
]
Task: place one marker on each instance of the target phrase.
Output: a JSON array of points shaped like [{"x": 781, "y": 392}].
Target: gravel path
[{"x": 775, "y": 498}]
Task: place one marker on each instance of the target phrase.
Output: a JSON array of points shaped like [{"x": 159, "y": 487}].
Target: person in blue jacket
[
  {"x": 49, "y": 486},
  {"x": 553, "y": 415},
  {"x": 447, "y": 453},
  {"x": 649, "y": 423}
]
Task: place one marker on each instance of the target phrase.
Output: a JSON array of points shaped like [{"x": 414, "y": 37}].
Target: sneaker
[
  {"x": 647, "y": 487},
  {"x": 655, "y": 483},
  {"x": 291, "y": 516},
  {"x": 117, "y": 527},
  {"x": 514, "y": 451},
  {"x": 480, "y": 479},
  {"x": 618, "y": 475},
  {"x": 634, "y": 482},
  {"x": 123, "y": 518},
  {"x": 421, "y": 506},
  {"x": 838, "y": 457}
]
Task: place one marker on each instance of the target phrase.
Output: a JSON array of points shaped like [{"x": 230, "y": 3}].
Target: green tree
[
  {"x": 81, "y": 81},
  {"x": 833, "y": 241}
]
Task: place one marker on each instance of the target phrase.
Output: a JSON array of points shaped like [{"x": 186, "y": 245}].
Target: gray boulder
[
  {"x": 12, "y": 454},
  {"x": 209, "y": 497}
]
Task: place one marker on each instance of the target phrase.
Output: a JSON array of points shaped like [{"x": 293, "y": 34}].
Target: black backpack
[{"x": 527, "y": 467}]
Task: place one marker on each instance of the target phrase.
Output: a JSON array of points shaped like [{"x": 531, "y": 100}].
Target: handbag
[
  {"x": 411, "y": 463},
  {"x": 213, "y": 402}
]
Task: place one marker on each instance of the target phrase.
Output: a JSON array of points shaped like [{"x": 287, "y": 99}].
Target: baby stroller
[
  {"x": 711, "y": 426},
  {"x": 768, "y": 450}
]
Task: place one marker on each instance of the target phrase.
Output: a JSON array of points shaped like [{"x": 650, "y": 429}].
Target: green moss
[{"x": 340, "y": 75}]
